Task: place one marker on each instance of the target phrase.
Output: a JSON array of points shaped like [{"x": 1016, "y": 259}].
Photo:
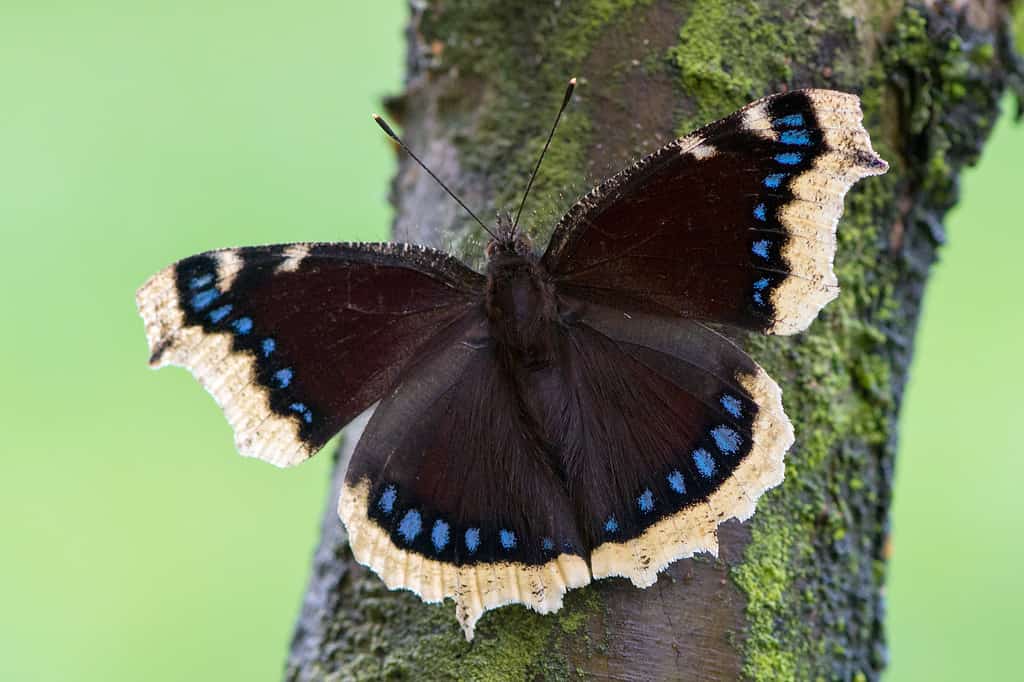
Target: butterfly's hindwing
[
  {"x": 733, "y": 224},
  {"x": 450, "y": 494},
  {"x": 293, "y": 341},
  {"x": 667, "y": 429},
  {"x": 708, "y": 440}
]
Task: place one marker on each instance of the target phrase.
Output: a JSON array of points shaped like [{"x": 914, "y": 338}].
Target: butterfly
[{"x": 563, "y": 416}]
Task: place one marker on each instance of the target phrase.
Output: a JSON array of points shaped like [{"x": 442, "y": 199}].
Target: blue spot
[
  {"x": 646, "y": 501},
  {"x": 774, "y": 180},
  {"x": 705, "y": 465},
  {"x": 283, "y": 377},
  {"x": 439, "y": 535},
  {"x": 218, "y": 314},
  {"x": 761, "y": 248},
  {"x": 726, "y": 439},
  {"x": 675, "y": 481},
  {"x": 796, "y": 137},
  {"x": 760, "y": 212},
  {"x": 547, "y": 544},
  {"x": 611, "y": 525},
  {"x": 789, "y": 158},
  {"x": 472, "y": 539},
  {"x": 268, "y": 346},
  {"x": 508, "y": 539},
  {"x": 201, "y": 281},
  {"x": 759, "y": 286},
  {"x": 301, "y": 408},
  {"x": 387, "y": 499},
  {"x": 791, "y": 121},
  {"x": 204, "y": 298},
  {"x": 242, "y": 325},
  {"x": 732, "y": 405},
  {"x": 410, "y": 526}
]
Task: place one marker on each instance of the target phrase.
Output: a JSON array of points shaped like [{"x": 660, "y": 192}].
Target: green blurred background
[{"x": 137, "y": 545}]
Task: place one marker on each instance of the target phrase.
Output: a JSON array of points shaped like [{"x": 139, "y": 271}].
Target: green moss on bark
[{"x": 728, "y": 51}]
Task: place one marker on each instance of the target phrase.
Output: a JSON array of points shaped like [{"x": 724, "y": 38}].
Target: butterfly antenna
[
  {"x": 391, "y": 133},
  {"x": 533, "y": 176}
]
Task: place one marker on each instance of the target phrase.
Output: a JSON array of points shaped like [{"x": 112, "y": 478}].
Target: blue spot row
[
  {"x": 789, "y": 158},
  {"x": 547, "y": 544},
  {"x": 611, "y": 525},
  {"x": 774, "y": 180},
  {"x": 760, "y": 248},
  {"x": 760, "y": 212},
  {"x": 411, "y": 526},
  {"x": 242, "y": 326}
]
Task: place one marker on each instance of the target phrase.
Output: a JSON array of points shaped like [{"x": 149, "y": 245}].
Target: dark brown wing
[
  {"x": 295, "y": 340},
  {"x": 677, "y": 430},
  {"x": 733, "y": 224},
  {"x": 666, "y": 430},
  {"x": 451, "y": 494}
]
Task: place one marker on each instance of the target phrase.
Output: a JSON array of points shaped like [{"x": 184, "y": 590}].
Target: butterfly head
[{"x": 509, "y": 241}]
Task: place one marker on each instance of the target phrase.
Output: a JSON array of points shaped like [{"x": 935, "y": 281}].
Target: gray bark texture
[{"x": 796, "y": 592}]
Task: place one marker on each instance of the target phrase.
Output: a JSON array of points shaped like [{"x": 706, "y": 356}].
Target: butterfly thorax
[{"x": 521, "y": 305}]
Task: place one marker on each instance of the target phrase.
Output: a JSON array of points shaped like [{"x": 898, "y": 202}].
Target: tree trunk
[{"x": 796, "y": 592}]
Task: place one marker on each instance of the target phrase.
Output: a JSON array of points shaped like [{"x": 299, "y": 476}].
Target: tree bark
[{"x": 796, "y": 592}]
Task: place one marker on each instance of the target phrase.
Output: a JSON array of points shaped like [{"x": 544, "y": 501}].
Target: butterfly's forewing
[
  {"x": 451, "y": 494},
  {"x": 295, "y": 340},
  {"x": 670, "y": 430},
  {"x": 733, "y": 224}
]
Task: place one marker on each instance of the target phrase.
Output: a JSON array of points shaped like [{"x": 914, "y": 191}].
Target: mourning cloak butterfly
[{"x": 566, "y": 416}]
